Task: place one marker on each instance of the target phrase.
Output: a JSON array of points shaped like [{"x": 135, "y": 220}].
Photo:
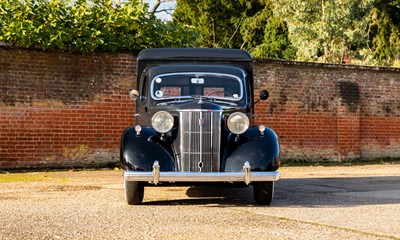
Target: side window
[{"x": 143, "y": 88}]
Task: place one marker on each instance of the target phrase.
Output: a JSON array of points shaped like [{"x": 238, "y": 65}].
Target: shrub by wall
[{"x": 61, "y": 109}]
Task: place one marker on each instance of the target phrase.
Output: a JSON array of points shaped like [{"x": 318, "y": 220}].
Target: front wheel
[
  {"x": 263, "y": 192},
  {"x": 134, "y": 192}
]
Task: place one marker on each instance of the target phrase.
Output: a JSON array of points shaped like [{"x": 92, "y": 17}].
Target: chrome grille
[{"x": 200, "y": 133}]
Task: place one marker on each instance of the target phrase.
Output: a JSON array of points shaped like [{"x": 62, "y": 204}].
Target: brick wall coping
[
  {"x": 327, "y": 65},
  {"x": 263, "y": 60}
]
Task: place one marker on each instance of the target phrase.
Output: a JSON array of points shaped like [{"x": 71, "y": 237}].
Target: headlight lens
[
  {"x": 162, "y": 121},
  {"x": 238, "y": 123}
]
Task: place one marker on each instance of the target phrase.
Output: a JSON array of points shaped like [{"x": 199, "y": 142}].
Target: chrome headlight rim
[
  {"x": 162, "y": 121},
  {"x": 238, "y": 123}
]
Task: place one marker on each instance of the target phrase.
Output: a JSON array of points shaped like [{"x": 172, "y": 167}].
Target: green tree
[
  {"x": 266, "y": 35},
  {"x": 215, "y": 21},
  {"x": 249, "y": 25},
  {"x": 343, "y": 31},
  {"x": 276, "y": 43},
  {"x": 322, "y": 30},
  {"x": 86, "y": 26},
  {"x": 384, "y": 32}
]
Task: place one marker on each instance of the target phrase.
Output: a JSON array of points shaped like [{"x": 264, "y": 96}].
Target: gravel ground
[{"x": 353, "y": 202}]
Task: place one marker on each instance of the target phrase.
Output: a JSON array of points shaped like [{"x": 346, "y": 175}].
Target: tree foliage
[
  {"x": 236, "y": 24},
  {"x": 86, "y": 26},
  {"x": 215, "y": 21},
  {"x": 384, "y": 29},
  {"x": 266, "y": 35},
  {"x": 333, "y": 31},
  {"x": 343, "y": 31}
]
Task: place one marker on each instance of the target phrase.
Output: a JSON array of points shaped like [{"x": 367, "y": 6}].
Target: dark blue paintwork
[
  {"x": 139, "y": 152},
  {"x": 261, "y": 151}
]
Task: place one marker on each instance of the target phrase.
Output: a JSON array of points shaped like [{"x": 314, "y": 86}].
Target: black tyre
[
  {"x": 134, "y": 192},
  {"x": 263, "y": 192}
]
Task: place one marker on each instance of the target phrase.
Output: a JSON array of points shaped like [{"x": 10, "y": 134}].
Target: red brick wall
[
  {"x": 62, "y": 109},
  {"x": 331, "y": 112}
]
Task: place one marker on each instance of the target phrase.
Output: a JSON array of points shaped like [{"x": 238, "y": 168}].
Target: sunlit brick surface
[{"x": 63, "y": 109}]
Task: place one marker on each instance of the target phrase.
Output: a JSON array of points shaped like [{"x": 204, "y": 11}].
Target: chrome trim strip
[
  {"x": 156, "y": 176},
  {"x": 156, "y": 172},
  {"x": 190, "y": 137},
  {"x": 201, "y": 123},
  {"x": 199, "y": 110},
  {"x": 211, "y": 141},
  {"x": 238, "y": 79},
  {"x": 246, "y": 172},
  {"x": 199, "y": 148},
  {"x": 201, "y": 176}
]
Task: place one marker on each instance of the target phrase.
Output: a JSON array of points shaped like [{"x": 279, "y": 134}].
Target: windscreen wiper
[
  {"x": 214, "y": 99},
  {"x": 176, "y": 100}
]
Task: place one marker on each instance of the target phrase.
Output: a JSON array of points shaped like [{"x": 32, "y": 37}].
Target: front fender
[
  {"x": 138, "y": 152},
  {"x": 261, "y": 151}
]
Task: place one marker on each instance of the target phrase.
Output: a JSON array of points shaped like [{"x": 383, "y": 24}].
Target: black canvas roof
[
  {"x": 218, "y": 56},
  {"x": 194, "y": 54}
]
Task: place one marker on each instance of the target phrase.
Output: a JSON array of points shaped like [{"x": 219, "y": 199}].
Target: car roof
[{"x": 195, "y": 54}]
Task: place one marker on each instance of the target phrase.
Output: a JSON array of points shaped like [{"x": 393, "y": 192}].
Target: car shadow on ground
[
  {"x": 209, "y": 195},
  {"x": 295, "y": 192},
  {"x": 326, "y": 192}
]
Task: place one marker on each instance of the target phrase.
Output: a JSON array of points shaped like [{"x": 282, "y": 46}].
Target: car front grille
[{"x": 200, "y": 135}]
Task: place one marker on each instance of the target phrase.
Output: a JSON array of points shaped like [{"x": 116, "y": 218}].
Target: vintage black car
[{"x": 195, "y": 124}]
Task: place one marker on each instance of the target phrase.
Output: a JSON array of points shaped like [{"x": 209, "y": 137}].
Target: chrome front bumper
[{"x": 156, "y": 176}]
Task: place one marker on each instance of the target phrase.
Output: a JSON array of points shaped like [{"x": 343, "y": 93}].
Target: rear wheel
[
  {"x": 263, "y": 192},
  {"x": 134, "y": 192}
]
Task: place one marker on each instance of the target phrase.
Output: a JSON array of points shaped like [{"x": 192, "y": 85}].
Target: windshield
[{"x": 194, "y": 84}]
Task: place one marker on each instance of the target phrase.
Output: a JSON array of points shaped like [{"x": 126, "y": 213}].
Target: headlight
[
  {"x": 162, "y": 121},
  {"x": 238, "y": 123}
]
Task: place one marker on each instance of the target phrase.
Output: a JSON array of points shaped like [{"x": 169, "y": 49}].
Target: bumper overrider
[{"x": 246, "y": 176}]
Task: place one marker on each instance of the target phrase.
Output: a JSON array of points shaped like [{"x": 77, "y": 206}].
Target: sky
[{"x": 164, "y": 5}]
